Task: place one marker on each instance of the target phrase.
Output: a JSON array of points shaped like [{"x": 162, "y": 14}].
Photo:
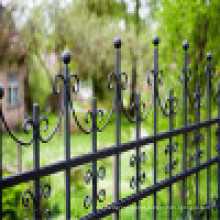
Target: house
[
  {"x": 12, "y": 80},
  {"x": 12, "y": 70}
]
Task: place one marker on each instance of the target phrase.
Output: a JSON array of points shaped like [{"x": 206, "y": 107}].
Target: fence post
[
  {"x": 94, "y": 150},
  {"x": 208, "y": 75},
  {"x": 36, "y": 152},
  {"x": 171, "y": 112},
  {"x": 185, "y": 80},
  {"x": 218, "y": 144},
  {"x": 66, "y": 56},
  {"x": 138, "y": 158},
  {"x": 197, "y": 142},
  {"x": 1, "y": 171},
  {"x": 155, "y": 42},
  {"x": 116, "y": 196}
]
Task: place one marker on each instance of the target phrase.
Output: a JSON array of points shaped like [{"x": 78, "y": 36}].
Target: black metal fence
[{"x": 169, "y": 107}]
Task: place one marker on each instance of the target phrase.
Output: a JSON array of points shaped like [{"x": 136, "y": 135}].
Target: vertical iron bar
[
  {"x": 197, "y": 146},
  {"x": 117, "y": 45},
  {"x": 36, "y": 151},
  {"x": 138, "y": 157},
  {"x": 94, "y": 150},
  {"x": 218, "y": 139},
  {"x": 208, "y": 74},
  {"x": 170, "y": 150},
  {"x": 66, "y": 56},
  {"x": 1, "y": 173},
  {"x": 155, "y": 42},
  {"x": 185, "y": 80}
]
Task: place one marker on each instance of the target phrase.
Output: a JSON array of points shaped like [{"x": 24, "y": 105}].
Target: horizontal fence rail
[
  {"x": 107, "y": 152},
  {"x": 123, "y": 203},
  {"x": 134, "y": 114}
]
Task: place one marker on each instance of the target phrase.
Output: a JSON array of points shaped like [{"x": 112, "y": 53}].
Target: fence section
[{"x": 118, "y": 81}]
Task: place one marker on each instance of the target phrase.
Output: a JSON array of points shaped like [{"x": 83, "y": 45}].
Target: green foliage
[
  {"x": 195, "y": 21},
  {"x": 12, "y": 198},
  {"x": 6, "y": 30},
  {"x": 105, "y": 8},
  {"x": 13, "y": 207}
]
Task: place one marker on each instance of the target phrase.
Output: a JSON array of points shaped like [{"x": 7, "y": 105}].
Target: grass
[{"x": 81, "y": 144}]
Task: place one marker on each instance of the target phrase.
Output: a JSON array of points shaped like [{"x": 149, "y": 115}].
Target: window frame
[{"x": 13, "y": 81}]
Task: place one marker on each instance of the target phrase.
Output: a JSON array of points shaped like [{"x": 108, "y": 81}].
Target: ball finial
[
  {"x": 2, "y": 92},
  {"x": 156, "y": 40},
  {"x": 66, "y": 57},
  {"x": 185, "y": 45},
  {"x": 117, "y": 43},
  {"x": 209, "y": 56}
]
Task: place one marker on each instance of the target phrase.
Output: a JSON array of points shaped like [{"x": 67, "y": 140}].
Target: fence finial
[
  {"x": 2, "y": 92},
  {"x": 66, "y": 57},
  {"x": 156, "y": 40},
  {"x": 185, "y": 45},
  {"x": 209, "y": 56},
  {"x": 117, "y": 43}
]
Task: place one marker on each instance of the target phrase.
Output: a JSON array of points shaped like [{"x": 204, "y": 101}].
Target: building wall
[{"x": 13, "y": 115}]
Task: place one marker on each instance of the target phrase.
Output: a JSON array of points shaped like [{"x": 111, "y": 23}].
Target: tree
[
  {"x": 195, "y": 21},
  {"x": 5, "y": 30},
  {"x": 105, "y": 8},
  {"x": 9, "y": 41},
  {"x": 93, "y": 41},
  {"x": 86, "y": 29}
]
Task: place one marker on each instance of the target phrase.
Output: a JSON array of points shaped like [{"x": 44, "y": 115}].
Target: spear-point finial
[
  {"x": 117, "y": 43},
  {"x": 66, "y": 57}
]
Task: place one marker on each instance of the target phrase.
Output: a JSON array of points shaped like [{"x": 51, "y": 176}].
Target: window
[{"x": 13, "y": 90}]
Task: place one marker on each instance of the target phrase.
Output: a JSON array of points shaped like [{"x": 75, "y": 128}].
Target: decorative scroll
[
  {"x": 87, "y": 201},
  {"x": 29, "y": 197},
  {"x": 15, "y": 139}
]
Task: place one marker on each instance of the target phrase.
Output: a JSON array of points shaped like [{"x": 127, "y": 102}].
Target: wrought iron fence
[{"x": 119, "y": 81}]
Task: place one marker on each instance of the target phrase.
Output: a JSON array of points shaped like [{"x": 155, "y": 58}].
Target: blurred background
[{"x": 34, "y": 33}]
